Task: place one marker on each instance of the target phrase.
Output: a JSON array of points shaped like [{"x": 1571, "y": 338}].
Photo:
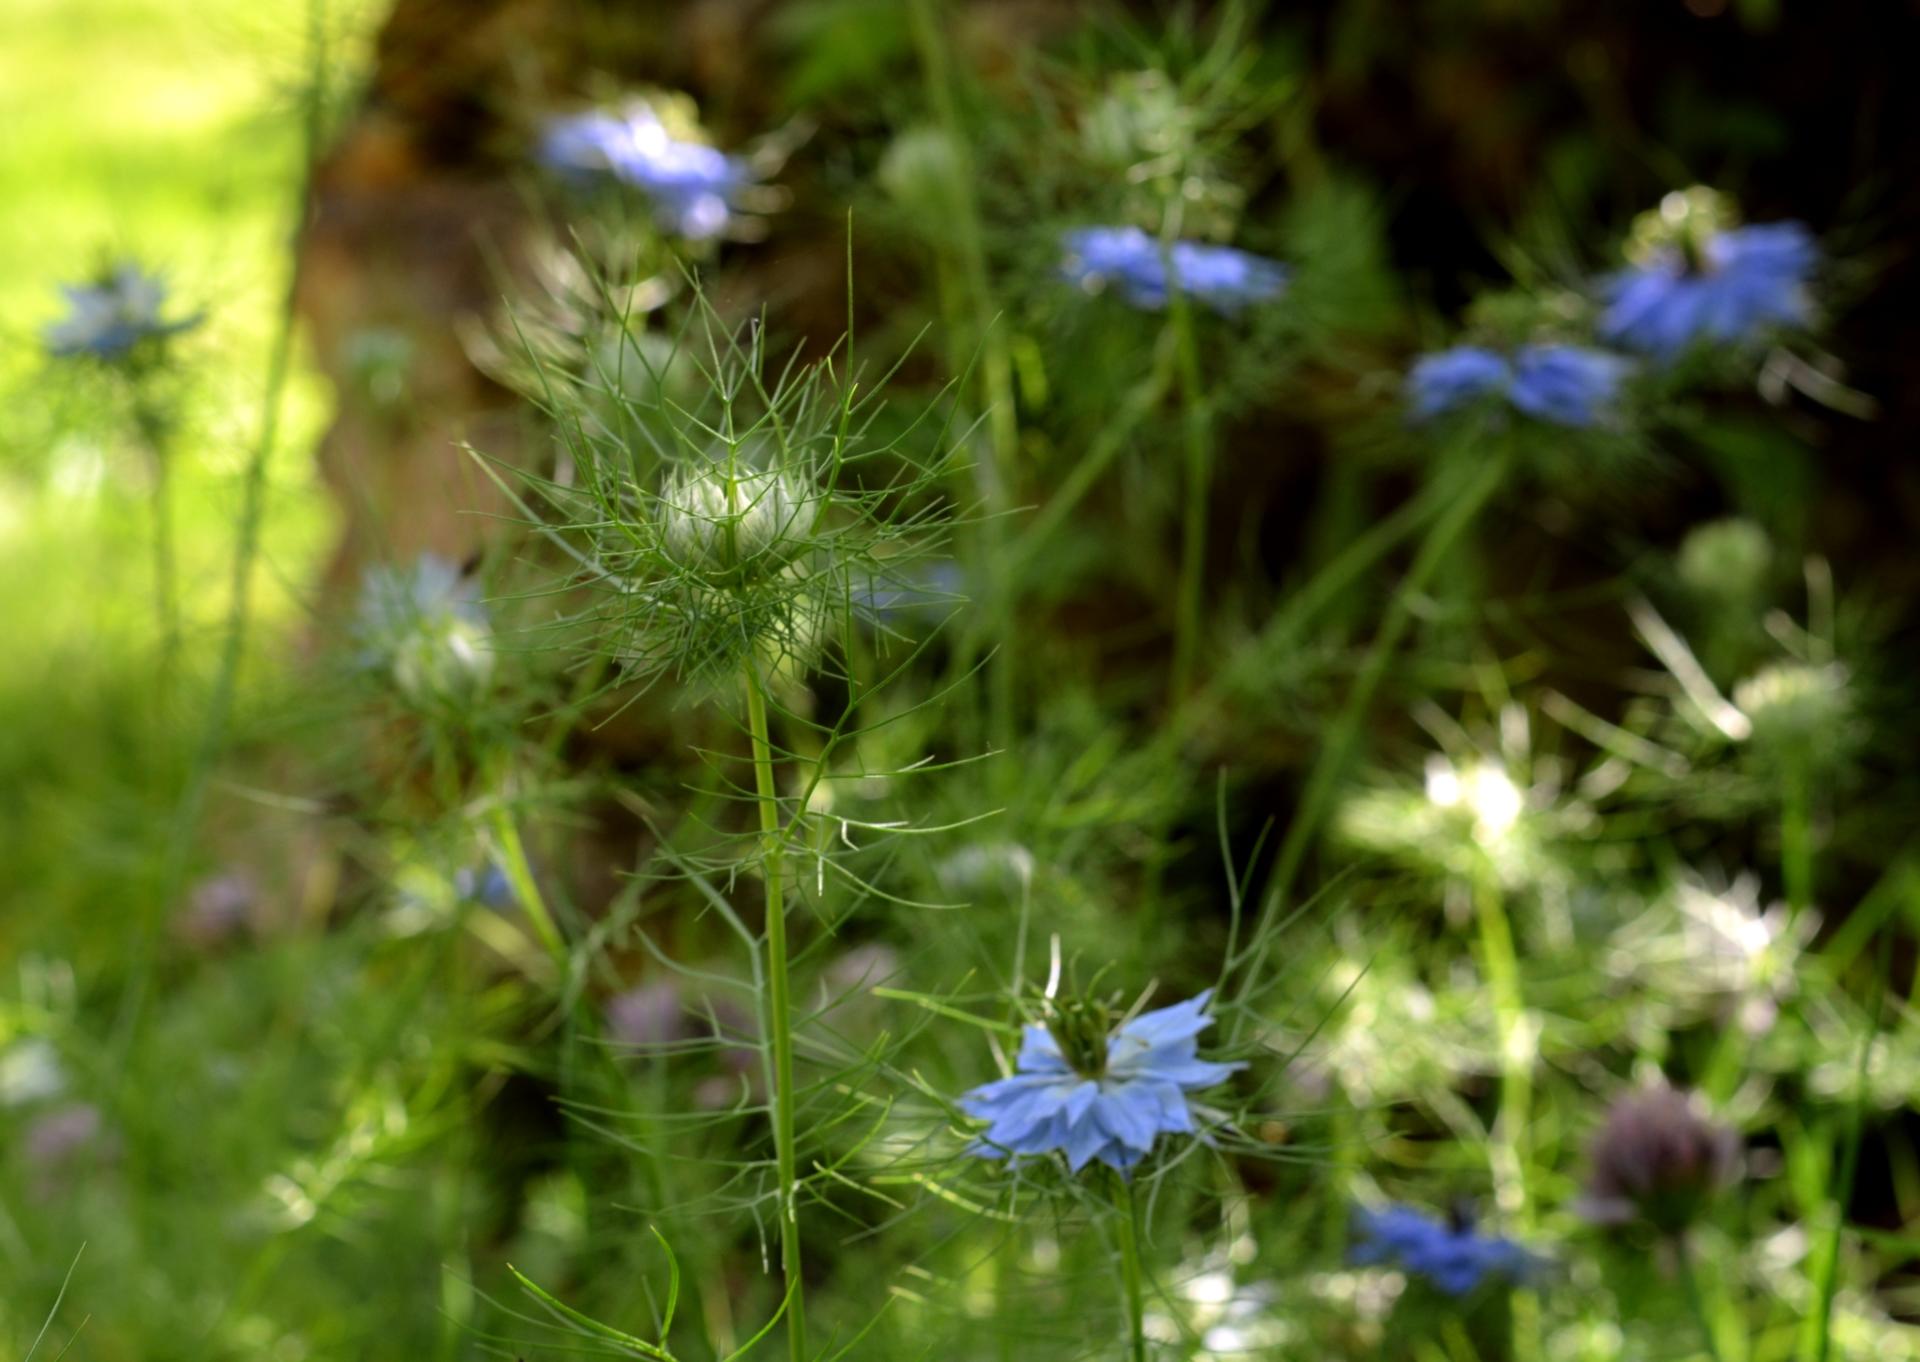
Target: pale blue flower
[
  {"x": 1129, "y": 261},
  {"x": 692, "y": 186},
  {"x": 1449, "y": 379},
  {"x": 395, "y": 600},
  {"x": 1567, "y": 385},
  {"x": 110, "y": 318},
  {"x": 1152, "y": 1063},
  {"x": 487, "y": 885},
  {"x": 887, "y": 600},
  {"x": 1745, "y": 280},
  {"x": 1452, "y": 1257},
  {"x": 1564, "y": 385},
  {"x": 425, "y": 626}
]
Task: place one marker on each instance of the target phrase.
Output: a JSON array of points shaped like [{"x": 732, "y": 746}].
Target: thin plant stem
[
  {"x": 1132, "y": 1275},
  {"x": 778, "y": 1009},
  {"x": 1816, "y": 1339},
  {"x": 1796, "y": 839},
  {"x": 1440, "y": 538},
  {"x": 519, "y": 872},
  {"x": 1301, "y": 608},
  {"x": 1506, "y": 1147},
  {"x": 1197, "y": 468},
  {"x": 996, "y": 370},
  {"x": 152, "y": 426},
  {"x": 253, "y": 503},
  {"x": 1501, "y": 964},
  {"x": 1696, "y": 1299},
  {"x": 1101, "y": 451}
]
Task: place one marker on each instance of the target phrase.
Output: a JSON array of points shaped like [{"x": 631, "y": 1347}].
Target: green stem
[
  {"x": 1100, "y": 452},
  {"x": 519, "y": 872},
  {"x": 779, "y": 1012},
  {"x": 996, "y": 372},
  {"x": 1132, "y": 1276},
  {"x": 1796, "y": 840},
  {"x": 1816, "y": 1339},
  {"x": 182, "y": 837},
  {"x": 1334, "y": 753},
  {"x": 1284, "y": 628},
  {"x": 1197, "y": 427},
  {"x": 152, "y": 426},
  {"x": 1501, "y": 964},
  {"x": 1696, "y": 1299},
  {"x": 1506, "y": 1147}
]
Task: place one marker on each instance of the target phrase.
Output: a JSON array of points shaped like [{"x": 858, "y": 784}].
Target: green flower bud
[
  {"x": 921, "y": 171},
  {"x": 1725, "y": 559},
  {"x": 1795, "y": 707},
  {"x": 444, "y": 657}
]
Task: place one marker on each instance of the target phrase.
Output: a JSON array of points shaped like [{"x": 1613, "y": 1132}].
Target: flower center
[{"x": 1081, "y": 1030}]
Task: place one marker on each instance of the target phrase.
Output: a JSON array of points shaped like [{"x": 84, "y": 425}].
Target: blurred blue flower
[
  {"x": 487, "y": 886},
  {"x": 424, "y": 626},
  {"x": 1565, "y": 385},
  {"x": 1453, "y": 1258},
  {"x": 1127, "y": 259},
  {"x": 110, "y": 318},
  {"x": 1449, "y": 379},
  {"x": 394, "y": 600},
  {"x": 1113, "y": 1115},
  {"x": 1744, "y": 280},
  {"x": 887, "y": 600},
  {"x": 692, "y": 185}
]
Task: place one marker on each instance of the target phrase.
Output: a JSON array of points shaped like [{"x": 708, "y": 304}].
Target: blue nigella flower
[
  {"x": 692, "y": 186},
  {"x": 424, "y": 625},
  {"x": 1452, "y": 1257},
  {"x": 111, "y": 317},
  {"x": 1127, "y": 259},
  {"x": 1743, "y": 280},
  {"x": 1565, "y": 385},
  {"x": 395, "y": 600},
  {"x": 1111, "y": 1109},
  {"x": 487, "y": 886},
  {"x": 888, "y": 600}
]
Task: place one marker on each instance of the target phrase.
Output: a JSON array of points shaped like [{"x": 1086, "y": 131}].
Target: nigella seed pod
[
  {"x": 1658, "y": 1160},
  {"x": 730, "y": 528}
]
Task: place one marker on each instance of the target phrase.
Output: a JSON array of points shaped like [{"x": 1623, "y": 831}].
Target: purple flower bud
[
  {"x": 649, "y": 1015},
  {"x": 217, "y": 911},
  {"x": 60, "y": 1142},
  {"x": 57, "y": 1136},
  {"x": 1658, "y": 1159}
]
